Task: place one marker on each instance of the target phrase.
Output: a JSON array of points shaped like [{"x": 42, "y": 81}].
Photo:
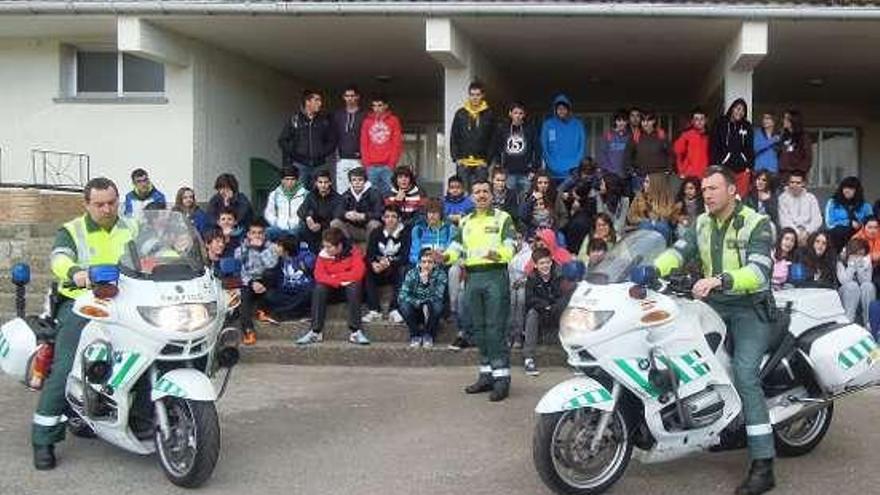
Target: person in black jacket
[
  {"x": 516, "y": 147},
  {"x": 544, "y": 304},
  {"x": 307, "y": 139},
  {"x": 387, "y": 262},
  {"x": 359, "y": 210},
  {"x": 503, "y": 197},
  {"x": 317, "y": 211},
  {"x": 471, "y": 135},
  {"x": 732, "y": 144},
  {"x": 228, "y": 196}
]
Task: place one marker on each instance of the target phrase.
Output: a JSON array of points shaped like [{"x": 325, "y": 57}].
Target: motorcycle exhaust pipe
[{"x": 812, "y": 404}]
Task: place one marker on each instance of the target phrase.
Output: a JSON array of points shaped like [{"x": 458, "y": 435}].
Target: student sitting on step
[
  {"x": 421, "y": 299},
  {"x": 387, "y": 256},
  {"x": 290, "y": 283},
  {"x": 544, "y": 304},
  {"x": 339, "y": 272},
  {"x": 256, "y": 255}
]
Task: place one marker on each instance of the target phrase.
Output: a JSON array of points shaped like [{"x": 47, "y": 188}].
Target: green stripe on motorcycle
[
  {"x": 636, "y": 377},
  {"x": 682, "y": 375},
  {"x": 866, "y": 345},
  {"x": 126, "y": 367},
  {"x": 847, "y": 364},
  {"x": 854, "y": 350},
  {"x": 699, "y": 368}
]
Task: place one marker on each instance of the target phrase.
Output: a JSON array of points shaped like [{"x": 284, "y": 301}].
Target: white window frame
[
  {"x": 69, "y": 80},
  {"x": 817, "y": 165}
]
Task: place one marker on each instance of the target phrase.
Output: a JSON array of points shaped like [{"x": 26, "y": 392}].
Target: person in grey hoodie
[{"x": 854, "y": 272}]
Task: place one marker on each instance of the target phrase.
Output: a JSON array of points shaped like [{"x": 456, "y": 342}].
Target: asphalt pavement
[{"x": 389, "y": 431}]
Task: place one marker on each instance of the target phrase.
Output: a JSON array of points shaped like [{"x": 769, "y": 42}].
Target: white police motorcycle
[
  {"x": 141, "y": 379},
  {"x": 653, "y": 373}
]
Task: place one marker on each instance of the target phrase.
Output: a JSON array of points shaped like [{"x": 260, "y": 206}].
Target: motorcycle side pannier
[
  {"x": 844, "y": 355},
  {"x": 18, "y": 342}
]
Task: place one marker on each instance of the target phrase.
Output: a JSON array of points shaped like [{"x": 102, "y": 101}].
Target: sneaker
[
  {"x": 517, "y": 344},
  {"x": 310, "y": 337},
  {"x": 358, "y": 338},
  {"x": 265, "y": 318},
  {"x": 415, "y": 342},
  {"x": 459, "y": 344},
  {"x": 371, "y": 316},
  {"x": 530, "y": 368},
  {"x": 250, "y": 338},
  {"x": 427, "y": 342},
  {"x": 395, "y": 316}
]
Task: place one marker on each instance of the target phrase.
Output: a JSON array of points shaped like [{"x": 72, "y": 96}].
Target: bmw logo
[{"x": 644, "y": 364}]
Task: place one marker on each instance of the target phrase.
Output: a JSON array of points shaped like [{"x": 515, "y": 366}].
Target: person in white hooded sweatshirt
[
  {"x": 799, "y": 209},
  {"x": 283, "y": 203}
]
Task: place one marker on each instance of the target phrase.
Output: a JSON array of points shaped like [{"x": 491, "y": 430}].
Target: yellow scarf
[{"x": 474, "y": 113}]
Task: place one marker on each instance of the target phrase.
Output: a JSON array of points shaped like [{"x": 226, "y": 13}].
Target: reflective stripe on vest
[
  {"x": 96, "y": 248},
  {"x": 734, "y": 245}
]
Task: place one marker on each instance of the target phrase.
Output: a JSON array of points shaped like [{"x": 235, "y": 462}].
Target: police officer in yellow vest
[
  {"x": 733, "y": 243},
  {"x": 485, "y": 240},
  {"x": 98, "y": 237}
]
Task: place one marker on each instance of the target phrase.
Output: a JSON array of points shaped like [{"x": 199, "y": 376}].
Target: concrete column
[
  {"x": 733, "y": 73},
  {"x": 462, "y": 63},
  {"x": 139, "y": 37}
]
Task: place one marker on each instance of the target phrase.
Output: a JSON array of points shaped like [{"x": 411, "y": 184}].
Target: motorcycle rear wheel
[
  {"x": 189, "y": 455},
  {"x": 803, "y": 435},
  {"x": 561, "y": 452}
]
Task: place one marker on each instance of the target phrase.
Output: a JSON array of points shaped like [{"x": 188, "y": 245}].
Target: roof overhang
[{"x": 805, "y": 9}]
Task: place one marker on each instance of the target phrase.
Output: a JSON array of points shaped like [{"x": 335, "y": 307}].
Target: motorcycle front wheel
[
  {"x": 562, "y": 456},
  {"x": 189, "y": 454}
]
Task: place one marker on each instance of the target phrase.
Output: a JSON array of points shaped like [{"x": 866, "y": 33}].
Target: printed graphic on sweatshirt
[
  {"x": 390, "y": 248},
  {"x": 515, "y": 145},
  {"x": 380, "y": 132}
]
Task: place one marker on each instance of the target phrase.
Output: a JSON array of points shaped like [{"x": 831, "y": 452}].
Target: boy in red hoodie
[
  {"x": 381, "y": 144},
  {"x": 692, "y": 147},
  {"x": 339, "y": 270}
]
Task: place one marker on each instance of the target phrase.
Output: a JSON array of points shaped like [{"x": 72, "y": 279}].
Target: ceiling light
[{"x": 816, "y": 82}]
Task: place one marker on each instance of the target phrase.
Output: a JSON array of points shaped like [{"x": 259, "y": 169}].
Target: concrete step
[
  {"x": 337, "y": 329},
  {"x": 386, "y": 354}
]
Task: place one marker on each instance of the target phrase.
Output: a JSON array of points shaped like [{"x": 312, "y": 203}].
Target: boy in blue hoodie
[
  {"x": 563, "y": 140},
  {"x": 290, "y": 283},
  {"x": 457, "y": 203}
]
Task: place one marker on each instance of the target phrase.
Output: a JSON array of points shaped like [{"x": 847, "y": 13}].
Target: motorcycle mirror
[
  {"x": 644, "y": 275},
  {"x": 229, "y": 267},
  {"x": 21, "y": 274}
]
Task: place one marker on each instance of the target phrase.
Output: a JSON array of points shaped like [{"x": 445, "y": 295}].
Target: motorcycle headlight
[
  {"x": 577, "y": 320},
  {"x": 179, "y": 317}
]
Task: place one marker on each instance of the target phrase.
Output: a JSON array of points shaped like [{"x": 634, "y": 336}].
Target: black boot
[
  {"x": 483, "y": 384},
  {"x": 759, "y": 480},
  {"x": 44, "y": 457},
  {"x": 500, "y": 389}
]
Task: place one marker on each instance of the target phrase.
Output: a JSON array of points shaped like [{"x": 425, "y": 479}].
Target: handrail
[{"x": 59, "y": 168}]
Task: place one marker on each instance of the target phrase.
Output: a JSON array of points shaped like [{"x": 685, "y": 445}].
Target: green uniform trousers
[
  {"x": 751, "y": 332},
  {"x": 48, "y": 427},
  {"x": 487, "y": 295}
]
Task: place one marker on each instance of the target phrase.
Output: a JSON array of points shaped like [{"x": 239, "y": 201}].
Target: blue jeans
[
  {"x": 415, "y": 318},
  {"x": 380, "y": 177},
  {"x": 519, "y": 183},
  {"x": 307, "y": 173},
  {"x": 470, "y": 174}
]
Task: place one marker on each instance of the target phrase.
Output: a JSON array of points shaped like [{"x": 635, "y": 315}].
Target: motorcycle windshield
[
  {"x": 636, "y": 248},
  {"x": 166, "y": 248}
]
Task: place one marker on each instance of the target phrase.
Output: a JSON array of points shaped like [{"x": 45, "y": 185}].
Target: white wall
[
  {"x": 240, "y": 108},
  {"x": 117, "y": 137}
]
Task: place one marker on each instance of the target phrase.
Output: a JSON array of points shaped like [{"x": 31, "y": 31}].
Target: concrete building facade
[{"x": 204, "y": 87}]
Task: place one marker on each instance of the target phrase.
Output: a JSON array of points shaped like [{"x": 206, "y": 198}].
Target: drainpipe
[{"x": 435, "y": 8}]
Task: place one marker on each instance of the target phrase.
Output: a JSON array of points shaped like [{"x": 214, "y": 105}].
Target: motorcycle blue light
[
  {"x": 797, "y": 272},
  {"x": 644, "y": 275},
  {"x": 103, "y": 274},
  {"x": 229, "y": 266},
  {"x": 21, "y": 274}
]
